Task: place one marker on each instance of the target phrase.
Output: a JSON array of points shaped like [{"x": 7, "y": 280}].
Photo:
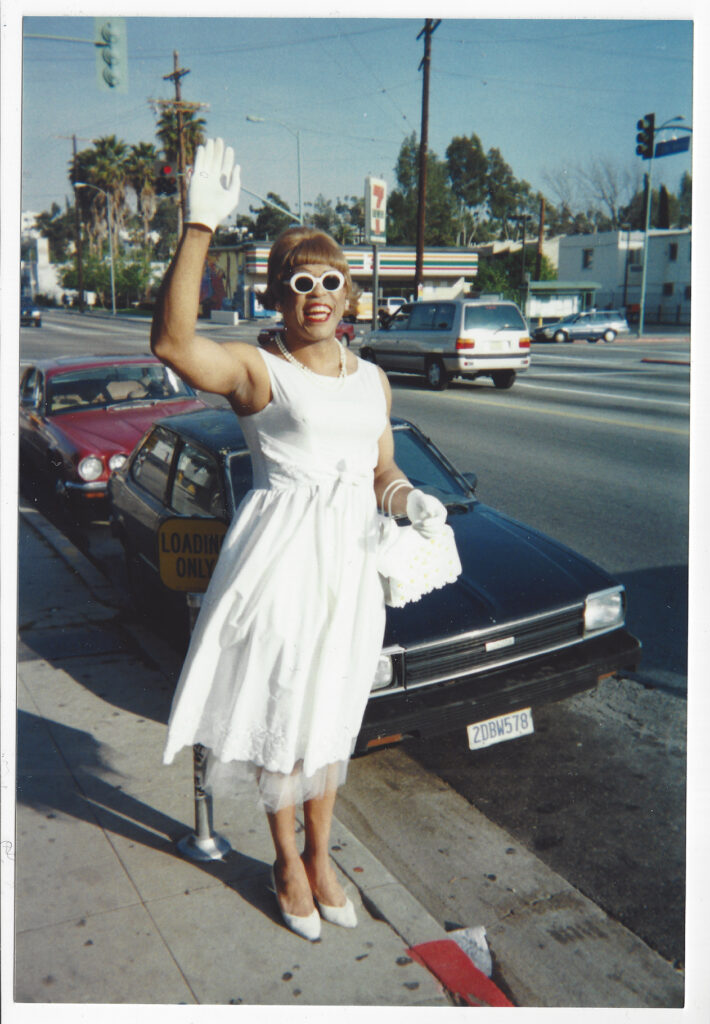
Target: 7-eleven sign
[{"x": 375, "y": 210}]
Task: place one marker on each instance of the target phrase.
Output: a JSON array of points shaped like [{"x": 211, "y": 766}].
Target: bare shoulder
[{"x": 385, "y": 387}]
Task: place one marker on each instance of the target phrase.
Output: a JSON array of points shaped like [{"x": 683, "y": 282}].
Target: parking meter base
[{"x": 213, "y": 847}]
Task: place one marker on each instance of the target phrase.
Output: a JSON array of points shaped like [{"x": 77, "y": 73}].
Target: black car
[
  {"x": 528, "y": 622},
  {"x": 30, "y": 313}
]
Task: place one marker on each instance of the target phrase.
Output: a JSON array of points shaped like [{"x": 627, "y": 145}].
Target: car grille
[{"x": 468, "y": 654}]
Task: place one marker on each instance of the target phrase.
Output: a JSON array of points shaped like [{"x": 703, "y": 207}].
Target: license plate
[{"x": 499, "y": 729}]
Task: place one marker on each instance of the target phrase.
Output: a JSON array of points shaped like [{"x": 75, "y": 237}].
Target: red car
[
  {"x": 344, "y": 332},
  {"x": 80, "y": 417}
]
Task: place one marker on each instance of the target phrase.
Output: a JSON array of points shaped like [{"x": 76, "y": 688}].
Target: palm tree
[
  {"x": 110, "y": 174},
  {"x": 192, "y": 133},
  {"x": 105, "y": 167},
  {"x": 140, "y": 174}
]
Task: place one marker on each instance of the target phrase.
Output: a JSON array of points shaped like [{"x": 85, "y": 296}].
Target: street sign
[
  {"x": 188, "y": 548},
  {"x": 669, "y": 146},
  {"x": 375, "y": 210}
]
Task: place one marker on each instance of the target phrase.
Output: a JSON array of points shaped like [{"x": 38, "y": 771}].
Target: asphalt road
[{"x": 591, "y": 446}]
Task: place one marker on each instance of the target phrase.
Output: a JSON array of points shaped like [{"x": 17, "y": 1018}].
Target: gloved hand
[
  {"x": 213, "y": 190},
  {"x": 426, "y": 513}
]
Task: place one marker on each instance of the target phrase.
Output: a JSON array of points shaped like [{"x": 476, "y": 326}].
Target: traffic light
[
  {"x": 165, "y": 178},
  {"x": 111, "y": 54},
  {"x": 646, "y": 134}
]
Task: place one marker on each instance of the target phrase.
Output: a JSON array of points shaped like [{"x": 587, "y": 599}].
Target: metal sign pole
[{"x": 204, "y": 843}]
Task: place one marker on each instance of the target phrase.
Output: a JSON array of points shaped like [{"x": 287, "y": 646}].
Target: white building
[{"x": 614, "y": 260}]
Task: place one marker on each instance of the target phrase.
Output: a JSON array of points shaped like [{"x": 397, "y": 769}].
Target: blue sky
[{"x": 548, "y": 93}]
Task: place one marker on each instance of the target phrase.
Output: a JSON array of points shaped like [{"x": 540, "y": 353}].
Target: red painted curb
[{"x": 457, "y": 973}]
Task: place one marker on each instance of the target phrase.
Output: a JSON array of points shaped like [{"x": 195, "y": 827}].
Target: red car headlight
[{"x": 90, "y": 468}]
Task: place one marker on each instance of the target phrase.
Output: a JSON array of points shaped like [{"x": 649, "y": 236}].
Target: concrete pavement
[{"x": 108, "y": 912}]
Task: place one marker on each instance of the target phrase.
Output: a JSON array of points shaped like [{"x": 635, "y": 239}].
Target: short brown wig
[{"x": 294, "y": 247}]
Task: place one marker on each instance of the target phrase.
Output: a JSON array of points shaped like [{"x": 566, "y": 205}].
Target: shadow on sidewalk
[{"x": 61, "y": 771}]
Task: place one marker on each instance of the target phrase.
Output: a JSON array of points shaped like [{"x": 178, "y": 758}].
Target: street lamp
[
  {"x": 295, "y": 132},
  {"x": 86, "y": 184}
]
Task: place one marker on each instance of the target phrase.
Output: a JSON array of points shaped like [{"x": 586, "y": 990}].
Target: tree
[
  {"x": 270, "y": 222},
  {"x": 59, "y": 229},
  {"x": 192, "y": 133},
  {"x": 609, "y": 186},
  {"x": 104, "y": 166},
  {"x": 467, "y": 166},
  {"x": 140, "y": 174},
  {"x": 685, "y": 201},
  {"x": 503, "y": 191},
  {"x": 440, "y": 211}
]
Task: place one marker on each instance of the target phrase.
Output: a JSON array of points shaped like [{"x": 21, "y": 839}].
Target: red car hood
[{"x": 106, "y": 431}]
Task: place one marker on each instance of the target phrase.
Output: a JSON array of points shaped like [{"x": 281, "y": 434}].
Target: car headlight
[
  {"x": 116, "y": 461},
  {"x": 384, "y": 672},
  {"x": 604, "y": 610},
  {"x": 90, "y": 468}
]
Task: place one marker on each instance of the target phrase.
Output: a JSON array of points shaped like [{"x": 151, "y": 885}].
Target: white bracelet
[{"x": 394, "y": 486}]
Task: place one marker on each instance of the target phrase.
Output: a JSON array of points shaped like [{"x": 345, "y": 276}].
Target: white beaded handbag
[{"x": 411, "y": 564}]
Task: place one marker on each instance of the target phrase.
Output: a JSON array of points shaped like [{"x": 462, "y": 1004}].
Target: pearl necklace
[{"x": 301, "y": 366}]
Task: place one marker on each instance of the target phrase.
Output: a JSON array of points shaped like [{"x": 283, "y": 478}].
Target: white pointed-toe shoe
[
  {"x": 306, "y": 927},
  {"x": 345, "y": 916}
]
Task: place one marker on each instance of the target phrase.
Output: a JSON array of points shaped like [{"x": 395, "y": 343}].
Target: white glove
[
  {"x": 426, "y": 513},
  {"x": 215, "y": 181}
]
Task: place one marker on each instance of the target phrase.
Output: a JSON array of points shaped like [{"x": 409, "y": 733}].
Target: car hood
[
  {"x": 117, "y": 430},
  {"x": 510, "y": 571}
]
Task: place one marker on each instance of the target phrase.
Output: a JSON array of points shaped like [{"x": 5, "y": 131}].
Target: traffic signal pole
[
  {"x": 646, "y": 140},
  {"x": 647, "y": 225}
]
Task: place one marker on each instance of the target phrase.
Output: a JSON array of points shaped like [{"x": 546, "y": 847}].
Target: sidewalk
[{"x": 107, "y": 911}]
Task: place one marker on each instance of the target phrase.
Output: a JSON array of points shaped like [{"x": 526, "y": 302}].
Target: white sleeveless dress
[{"x": 286, "y": 644}]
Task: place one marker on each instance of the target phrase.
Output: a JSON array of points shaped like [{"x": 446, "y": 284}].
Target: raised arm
[{"x": 232, "y": 369}]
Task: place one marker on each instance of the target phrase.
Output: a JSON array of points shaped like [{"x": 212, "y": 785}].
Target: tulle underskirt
[{"x": 272, "y": 790}]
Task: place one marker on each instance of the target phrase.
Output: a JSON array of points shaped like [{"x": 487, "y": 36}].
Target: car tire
[
  {"x": 368, "y": 355},
  {"x": 559, "y": 336},
  {"x": 504, "y": 379},
  {"x": 609, "y": 335},
  {"x": 436, "y": 375}
]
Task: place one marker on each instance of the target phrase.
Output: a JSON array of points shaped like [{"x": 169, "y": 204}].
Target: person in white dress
[{"x": 284, "y": 650}]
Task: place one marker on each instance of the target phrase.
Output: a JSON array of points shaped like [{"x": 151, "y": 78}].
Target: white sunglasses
[{"x": 302, "y": 282}]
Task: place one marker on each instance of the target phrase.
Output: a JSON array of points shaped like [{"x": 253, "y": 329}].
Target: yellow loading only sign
[{"x": 188, "y": 549}]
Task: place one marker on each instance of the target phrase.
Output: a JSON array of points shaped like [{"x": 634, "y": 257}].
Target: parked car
[
  {"x": 453, "y": 338},
  {"x": 529, "y": 621},
  {"x": 390, "y": 304},
  {"x": 80, "y": 417},
  {"x": 592, "y": 326},
  {"x": 30, "y": 313},
  {"x": 344, "y": 332}
]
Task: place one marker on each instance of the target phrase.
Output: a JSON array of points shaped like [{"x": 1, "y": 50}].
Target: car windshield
[
  {"x": 425, "y": 469},
  {"x": 108, "y": 386},
  {"x": 494, "y": 317}
]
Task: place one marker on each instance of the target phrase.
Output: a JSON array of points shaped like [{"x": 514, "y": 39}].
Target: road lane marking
[
  {"x": 601, "y": 394},
  {"x": 575, "y": 416}
]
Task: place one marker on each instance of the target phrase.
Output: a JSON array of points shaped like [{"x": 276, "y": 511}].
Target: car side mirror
[
  {"x": 29, "y": 401},
  {"x": 472, "y": 481}
]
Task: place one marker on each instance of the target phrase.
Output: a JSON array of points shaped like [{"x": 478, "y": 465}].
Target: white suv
[{"x": 453, "y": 338}]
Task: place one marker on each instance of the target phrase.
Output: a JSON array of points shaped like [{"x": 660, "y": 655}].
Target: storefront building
[{"x": 242, "y": 270}]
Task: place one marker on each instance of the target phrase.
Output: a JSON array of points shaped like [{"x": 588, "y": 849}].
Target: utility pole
[
  {"x": 77, "y": 230},
  {"x": 540, "y": 239},
  {"x": 430, "y": 27},
  {"x": 177, "y": 74},
  {"x": 179, "y": 106}
]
